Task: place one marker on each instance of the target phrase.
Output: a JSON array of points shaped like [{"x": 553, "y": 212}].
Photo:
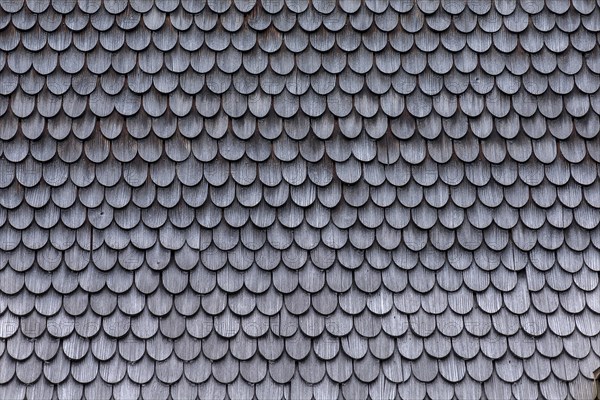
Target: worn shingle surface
[{"x": 299, "y": 198}]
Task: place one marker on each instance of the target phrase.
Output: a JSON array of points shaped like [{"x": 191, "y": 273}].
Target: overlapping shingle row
[{"x": 299, "y": 198}]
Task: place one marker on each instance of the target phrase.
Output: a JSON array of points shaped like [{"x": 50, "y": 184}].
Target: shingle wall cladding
[{"x": 299, "y": 198}]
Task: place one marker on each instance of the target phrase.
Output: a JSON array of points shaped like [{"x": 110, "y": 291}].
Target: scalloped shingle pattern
[{"x": 264, "y": 199}]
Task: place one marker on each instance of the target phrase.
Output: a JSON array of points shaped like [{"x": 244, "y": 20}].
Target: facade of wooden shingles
[{"x": 295, "y": 199}]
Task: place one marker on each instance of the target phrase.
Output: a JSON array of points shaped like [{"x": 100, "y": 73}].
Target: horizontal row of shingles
[
  {"x": 119, "y": 325},
  {"x": 228, "y": 159},
  {"x": 180, "y": 93},
  {"x": 255, "y": 239},
  {"x": 551, "y": 207},
  {"x": 359, "y": 60},
  {"x": 574, "y": 278},
  {"x": 577, "y": 187},
  {"x": 393, "y": 216},
  {"x": 445, "y": 112},
  {"x": 478, "y": 174},
  {"x": 406, "y": 318},
  {"x": 373, "y": 289},
  {"x": 178, "y": 137},
  {"x": 390, "y": 226},
  {"x": 430, "y": 116},
  {"x": 561, "y": 330},
  {"x": 310, "y": 18},
  {"x": 567, "y": 205},
  {"x": 333, "y": 50},
  {"x": 571, "y": 213},
  {"x": 252, "y": 135},
  {"x": 192, "y": 71},
  {"x": 451, "y": 35},
  {"x": 178, "y": 45},
  {"x": 171, "y": 365},
  {"x": 268, "y": 389},
  {"x": 253, "y": 273},
  {"x": 357, "y": 358},
  {"x": 274, "y": 7},
  {"x": 487, "y": 267},
  {"x": 353, "y": 390},
  {"x": 302, "y": 321},
  {"x": 308, "y": 13},
  {"x": 307, "y": 241},
  {"x": 470, "y": 81},
  {"x": 580, "y": 312},
  {"x": 434, "y": 184},
  {"x": 217, "y": 162},
  {"x": 334, "y": 338},
  {"x": 503, "y": 319},
  {"x": 297, "y": 40},
  {"x": 213, "y": 120},
  {"x": 379, "y": 242}
]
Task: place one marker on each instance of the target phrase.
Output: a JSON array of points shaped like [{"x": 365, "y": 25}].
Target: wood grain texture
[{"x": 299, "y": 199}]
